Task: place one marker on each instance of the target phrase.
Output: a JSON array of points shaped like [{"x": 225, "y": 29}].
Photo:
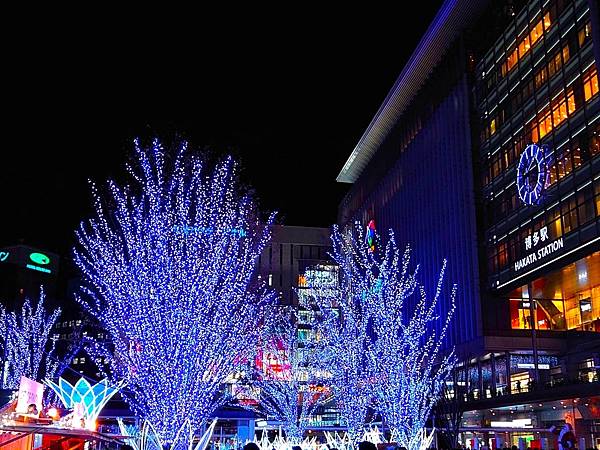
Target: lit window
[
  {"x": 75, "y": 360},
  {"x": 553, "y": 116},
  {"x": 492, "y": 126},
  {"x": 565, "y": 53},
  {"x": 584, "y": 34},
  {"x": 590, "y": 83},
  {"x": 526, "y": 43},
  {"x": 571, "y": 102},
  {"x": 547, "y": 21}
]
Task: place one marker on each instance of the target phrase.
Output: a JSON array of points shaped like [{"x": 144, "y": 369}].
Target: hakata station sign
[
  {"x": 540, "y": 250},
  {"x": 30, "y": 259}
]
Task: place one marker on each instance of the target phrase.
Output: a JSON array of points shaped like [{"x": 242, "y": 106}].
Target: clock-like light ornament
[{"x": 532, "y": 174}]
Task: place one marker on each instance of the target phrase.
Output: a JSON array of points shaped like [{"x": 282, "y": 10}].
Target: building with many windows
[
  {"x": 292, "y": 249},
  {"x": 486, "y": 152}
]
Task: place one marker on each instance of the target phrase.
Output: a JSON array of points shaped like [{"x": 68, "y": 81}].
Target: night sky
[{"x": 290, "y": 101}]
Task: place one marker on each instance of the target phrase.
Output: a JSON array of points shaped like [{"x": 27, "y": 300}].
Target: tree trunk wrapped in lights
[
  {"x": 169, "y": 267},
  {"x": 383, "y": 353},
  {"x": 26, "y": 344}
]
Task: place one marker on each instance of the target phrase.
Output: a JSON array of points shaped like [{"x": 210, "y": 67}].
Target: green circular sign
[{"x": 39, "y": 258}]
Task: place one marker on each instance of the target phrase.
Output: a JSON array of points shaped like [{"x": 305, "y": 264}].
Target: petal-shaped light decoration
[{"x": 93, "y": 397}]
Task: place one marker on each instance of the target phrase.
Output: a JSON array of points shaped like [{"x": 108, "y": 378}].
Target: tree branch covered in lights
[
  {"x": 287, "y": 384},
  {"x": 169, "y": 268},
  {"x": 411, "y": 372},
  {"x": 26, "y": 344},
  {"x": 343, "y": 324},
  {"x": 382, "y": 352}
]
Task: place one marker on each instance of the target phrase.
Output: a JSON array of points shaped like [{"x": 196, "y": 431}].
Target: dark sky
[{"x": 290, "y": 100}]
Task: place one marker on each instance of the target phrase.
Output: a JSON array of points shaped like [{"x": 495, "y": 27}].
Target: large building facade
[{"x": 487, "y": 152}]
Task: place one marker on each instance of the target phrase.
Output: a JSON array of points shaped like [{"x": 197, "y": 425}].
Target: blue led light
[{"x": 383, "y": 350}]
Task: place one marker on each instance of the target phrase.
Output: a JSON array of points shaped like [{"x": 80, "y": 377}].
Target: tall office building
[{"x": 486, "y": 152}]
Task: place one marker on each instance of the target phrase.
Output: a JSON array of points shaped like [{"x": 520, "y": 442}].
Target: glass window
[
  {"x": 565, "y": 54},
  {"x": 590, "y": 83},
  {"x": 594, "y": 147},
  {"x": 540, "y": 78},
  {"x": 584, "y": 34}
]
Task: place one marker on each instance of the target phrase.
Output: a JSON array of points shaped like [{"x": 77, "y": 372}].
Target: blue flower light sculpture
[{"x": 93, "y": 397}]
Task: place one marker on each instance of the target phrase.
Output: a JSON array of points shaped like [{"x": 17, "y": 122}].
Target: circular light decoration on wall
[
  {"x": 532, "y": 174},
  {"x": 370, "y": 238}
]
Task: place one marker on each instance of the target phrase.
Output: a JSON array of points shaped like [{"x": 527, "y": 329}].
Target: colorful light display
[
  {"x": 370, "y": 235},
  {"x": 183, "y": 310}
]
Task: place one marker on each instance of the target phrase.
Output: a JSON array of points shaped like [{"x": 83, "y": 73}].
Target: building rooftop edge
[{"x": 445, "y": 27}]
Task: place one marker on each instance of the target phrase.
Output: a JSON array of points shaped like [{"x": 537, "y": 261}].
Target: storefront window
[
  {"x": 520, "y": 382},
  {"x": 563, "y": 300}
]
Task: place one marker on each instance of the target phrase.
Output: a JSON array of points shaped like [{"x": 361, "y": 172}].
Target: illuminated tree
[
  {"x": 26, "y": 343},
  {"x": 170, "y": 272},
  {"x": 286, "y": 383},
  {"x": 382, "y": 352},
  {"x": 411, "y": 371},
  {"x": 343, "y": 324}
]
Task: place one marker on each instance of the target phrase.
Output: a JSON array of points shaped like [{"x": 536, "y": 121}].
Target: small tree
[
  {"x": 411, "y": 371},
  {"x": 27, "y": 346},
  {"x": 284, "y": 388}
]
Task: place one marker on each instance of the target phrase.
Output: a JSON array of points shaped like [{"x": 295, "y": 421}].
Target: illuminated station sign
[{"x": 29, "y": 258}]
